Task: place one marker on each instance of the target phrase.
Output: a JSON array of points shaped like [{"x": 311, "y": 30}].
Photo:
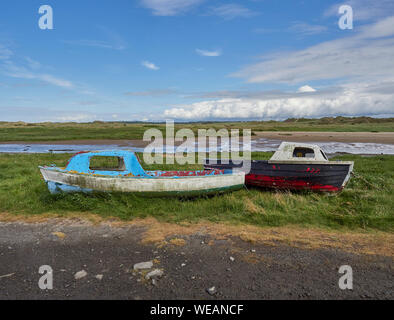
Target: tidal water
[{"x": 256, "y": 145}]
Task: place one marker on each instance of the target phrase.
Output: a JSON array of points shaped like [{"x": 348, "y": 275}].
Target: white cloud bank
[{"x": 347, "y": 102}]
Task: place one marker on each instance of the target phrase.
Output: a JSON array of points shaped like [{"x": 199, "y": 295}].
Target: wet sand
[{"x": 349, "y": 137}]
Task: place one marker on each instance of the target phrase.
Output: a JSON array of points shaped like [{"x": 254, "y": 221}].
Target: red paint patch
[
  {"x": 189, "y": 173},
  {"x": 282, "y": 183}
]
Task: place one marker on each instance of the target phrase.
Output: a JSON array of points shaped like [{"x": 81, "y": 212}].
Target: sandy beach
[{"x": 298, "y": 136}]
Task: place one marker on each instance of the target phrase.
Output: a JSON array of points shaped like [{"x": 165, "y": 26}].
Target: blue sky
[{"x": 194, "y": 60}]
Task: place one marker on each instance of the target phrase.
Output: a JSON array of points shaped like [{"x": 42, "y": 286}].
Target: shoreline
[
  {"x": 346, "y": 137},
  {"x": 295, "y": 136}
]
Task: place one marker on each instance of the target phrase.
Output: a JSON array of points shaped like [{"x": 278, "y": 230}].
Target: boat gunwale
[
  {"x": 311, "y": 162},
  {"x": 94, "y": 175}
]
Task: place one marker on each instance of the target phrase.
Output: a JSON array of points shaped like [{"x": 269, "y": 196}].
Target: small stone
[
  {"x": 99, "y": 277},
  {"x": 157, "y": 273},
  {"x": 253, "y": 250},
  {"x": 211, "y": 290},
  {"x": 59, "y": 234},
  {"x": 80, "y": 274},
  {"x": 232, "y": 258},
  {"x": 183, "y": 264},
  {"x": 143, "y": 265}
]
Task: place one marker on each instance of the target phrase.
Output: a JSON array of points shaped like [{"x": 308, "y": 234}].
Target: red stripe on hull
[
  {"x": 291, "y": 184},
  {"x": 187, "y": 173}
]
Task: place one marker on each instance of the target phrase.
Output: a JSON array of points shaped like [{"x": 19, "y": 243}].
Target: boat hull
[
  {"x": 58, "y": 181},
  {"x": 330, "y": 176}
]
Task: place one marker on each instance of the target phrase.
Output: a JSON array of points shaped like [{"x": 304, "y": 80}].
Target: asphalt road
[{"x": 237, "y": 269}]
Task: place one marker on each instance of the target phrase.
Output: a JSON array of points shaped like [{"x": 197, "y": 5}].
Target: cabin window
[
  {"x": 106, "y": 163},
  {"x": 303, "y": 153}
]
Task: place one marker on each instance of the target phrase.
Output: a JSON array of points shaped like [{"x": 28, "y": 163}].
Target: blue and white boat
[{"x": 128, "y": 176}]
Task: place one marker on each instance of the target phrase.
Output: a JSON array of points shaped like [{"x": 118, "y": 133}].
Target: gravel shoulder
[{"x": 97, "y": 262}]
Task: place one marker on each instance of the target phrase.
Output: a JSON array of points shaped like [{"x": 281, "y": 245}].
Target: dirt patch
[
  {"x": 177, "y": 242},
  {"x": 162, "y": 233}
]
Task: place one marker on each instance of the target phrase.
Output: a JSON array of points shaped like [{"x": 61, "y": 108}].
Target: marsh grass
[
  {"x": 21, "y": 131},
  {"x": 367, "y": 202}
]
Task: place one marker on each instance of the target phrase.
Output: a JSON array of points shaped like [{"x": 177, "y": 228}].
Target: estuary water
[{"x": 260, "y": 144}]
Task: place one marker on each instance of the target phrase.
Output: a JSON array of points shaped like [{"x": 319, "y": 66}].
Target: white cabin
[{"x": 291, "y": 151}]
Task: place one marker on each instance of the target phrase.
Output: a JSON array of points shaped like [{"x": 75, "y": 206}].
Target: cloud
[
  {"x": 43, "y": 114},
  {"x": 347, "y": 101},
  {"x": 207, "y": 53},
  {"x": 257, "y": 94},
  {"x": 5, "y": 53},
  {"x": 307, "y": 29},
  {"x": 115, "y": 41},
  {"x": 364, "y": 55},
  {"x": 231, "y": 11},
  {"x": 170, "y": 7},
  {"x": 33, "y": 64},
  {"x": 306, "y": 88},
  {"x": 151, "y": 93},
  {"x": 149, "y": 65},
  {"x": 27, "y": 68},
  {"x": 93, "y": 43},
  {"x": 10, "y": 69},
  {"x": 86, "y": 103}
]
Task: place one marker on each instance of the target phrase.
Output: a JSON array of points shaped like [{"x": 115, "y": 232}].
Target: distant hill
[{"x": 341, "y": 120}]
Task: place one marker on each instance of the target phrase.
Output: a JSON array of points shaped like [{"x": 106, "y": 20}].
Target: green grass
[
  {"x": 367, "y": 202},
  {"x": 20, "y": 131}
]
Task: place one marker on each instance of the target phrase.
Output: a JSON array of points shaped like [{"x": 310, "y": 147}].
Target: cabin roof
[
  {"x": 80, "y": 162},
  {"x": 299, "y": 152}
]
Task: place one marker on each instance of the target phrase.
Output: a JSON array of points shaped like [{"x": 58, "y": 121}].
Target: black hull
[{"x": 292, "y": 176}]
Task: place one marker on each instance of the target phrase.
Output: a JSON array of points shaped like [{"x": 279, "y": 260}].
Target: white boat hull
[{"x": 71, "y": 182}]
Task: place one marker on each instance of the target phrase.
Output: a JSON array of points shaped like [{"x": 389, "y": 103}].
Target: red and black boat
[{"x": 293, "y": 166}]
